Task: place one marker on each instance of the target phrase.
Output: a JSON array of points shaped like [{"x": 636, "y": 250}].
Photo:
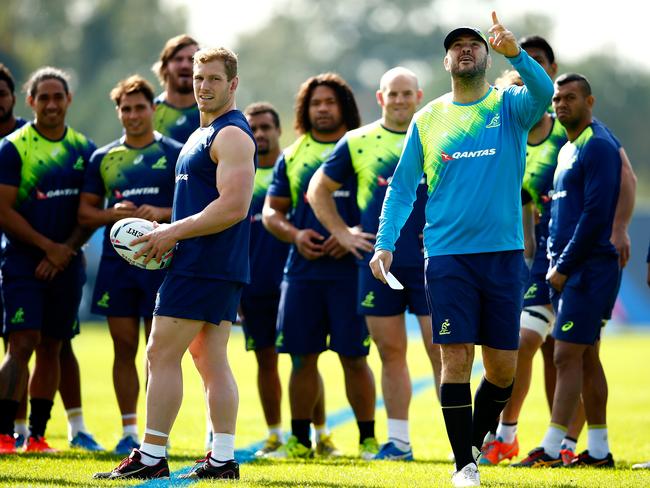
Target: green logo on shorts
[
  {"x": 444, "y": 328},
  {"x": 280, "y": 340},
  {"x": 367, "y": 341},
  {"x": 369, "y": 300},
  {"x": 250, "y": 344},
  {"x": 103, "y": 301},
  {"x": 531, "y": 292},
  {"x": 19, "y": 316},
  {"x": 567, "y": 327}
]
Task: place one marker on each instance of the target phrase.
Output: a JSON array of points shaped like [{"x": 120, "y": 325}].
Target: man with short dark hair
[
  {"x": 135, "y": 175},
  {"x": 8, "y": 121},
  {"x": 584, "y": 271},
  {"x": 209, "y": 233},
  {"x": 470, "y": 144},
  {"x": 43, "y": 270},
  {"x": 320, "y": 281},
  {"x": 177, "y": 114},
  {"x": 260, "y": 298}
]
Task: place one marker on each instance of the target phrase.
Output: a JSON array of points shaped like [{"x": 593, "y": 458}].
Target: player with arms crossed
[
  {"x": 470, "y": 144},
  {"x": 211, "y": 231}
]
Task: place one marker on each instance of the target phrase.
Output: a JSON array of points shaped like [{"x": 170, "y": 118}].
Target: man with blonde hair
[{"x": 210, "y": 233}]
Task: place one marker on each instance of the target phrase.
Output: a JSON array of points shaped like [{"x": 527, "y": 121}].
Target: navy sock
[
  {"x": 300, "y": 428},
  {"x": 366, "y": 429},
  {"x": 489, "y": 402},
  {"x": 456, "y": 401},
  {"x": 8, "y": 409},
  {"x": 39, "y": 414}
]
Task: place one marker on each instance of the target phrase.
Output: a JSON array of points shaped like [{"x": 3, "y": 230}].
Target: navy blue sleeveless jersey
[
  {"x": 143, "y": 175},
  {"x": 224, "y": 255}
]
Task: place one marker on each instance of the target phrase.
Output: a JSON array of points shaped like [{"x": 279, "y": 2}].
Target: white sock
[
  {"x": 275, "y": 430},
  {"x": 223, "y": 447},
  {"x": 398, "y": 434},
  {"x": 507, "y": 432},
  {"x": 320, "y": 431},
  {"x": 75, "y": 422},
  {"x": 569, "y": 444},
  {"x": 130, "y": 430},
  {"x": 597, "y": 443},
  {"x": 152, "y": 453},
  {"x": 553, "y": 439},
  {"x": 21, "y": 428}
]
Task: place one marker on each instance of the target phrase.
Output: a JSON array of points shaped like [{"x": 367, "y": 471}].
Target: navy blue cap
[{"x": 464, "y": 31}]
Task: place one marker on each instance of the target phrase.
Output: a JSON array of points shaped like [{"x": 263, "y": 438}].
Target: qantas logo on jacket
[{"x": 467, "y": 154}]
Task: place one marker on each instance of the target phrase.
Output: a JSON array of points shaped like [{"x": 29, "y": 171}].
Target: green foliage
[
  {"x": 98, "y": 41},
  {"x": 361, "y": 39}
]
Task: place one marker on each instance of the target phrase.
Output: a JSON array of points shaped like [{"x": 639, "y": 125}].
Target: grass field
[{"x": 626, "y": 363}]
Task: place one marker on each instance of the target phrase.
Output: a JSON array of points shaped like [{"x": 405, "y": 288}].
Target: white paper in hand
[{"x": 390, "y": 278}]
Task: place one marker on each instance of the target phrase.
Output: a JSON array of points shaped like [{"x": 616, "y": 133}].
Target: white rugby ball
[{"x": 126, "y": 230}]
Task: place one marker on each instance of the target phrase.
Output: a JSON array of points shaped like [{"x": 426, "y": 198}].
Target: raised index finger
[{"x": 495, "y": 19}]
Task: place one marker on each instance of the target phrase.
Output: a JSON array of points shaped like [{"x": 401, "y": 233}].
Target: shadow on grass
[
  {"x": 345, "y": 461},
  {"x": 12, "y": 480},
  {"x": 324, "y": 484}
]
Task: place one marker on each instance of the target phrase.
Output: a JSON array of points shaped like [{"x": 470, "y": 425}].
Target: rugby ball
[{"x": 126, "y": 230}]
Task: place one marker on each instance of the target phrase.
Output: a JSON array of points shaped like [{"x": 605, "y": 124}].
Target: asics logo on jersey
[
  {"x": 148, "y": 190},
  {"x": 60, "y": 192},
  {"x": 444, "y": 328},
  {"x": 181, "y": 120},
  {"x": 495, "y": 122},
  {"x": 181, "y": 177},
  {"x": 139, "y": 159}
]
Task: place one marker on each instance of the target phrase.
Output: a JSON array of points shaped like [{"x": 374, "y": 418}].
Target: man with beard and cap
[{"x": 470, "y": 144}]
